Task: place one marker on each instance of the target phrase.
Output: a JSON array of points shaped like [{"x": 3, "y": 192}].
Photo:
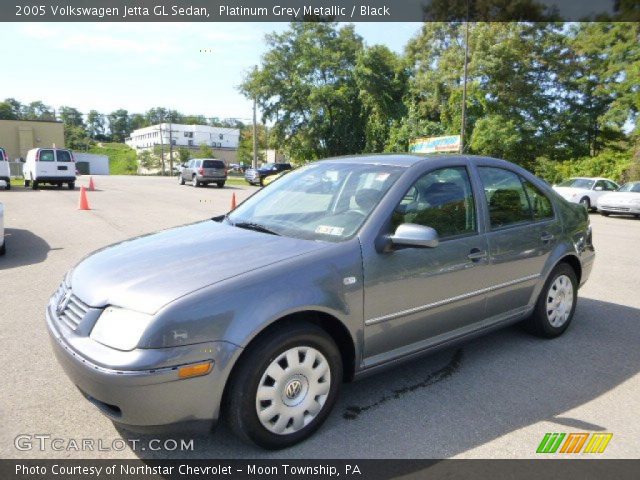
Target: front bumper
[
  {"x": 627, "y": 209},
  {"x": 147, "y": 395}
]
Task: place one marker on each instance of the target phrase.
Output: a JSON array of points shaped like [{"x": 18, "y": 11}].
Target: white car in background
[
  {"x": 5, "y": 174},
  {"x": 584, "y": 190},
  {"x": 625, "y": 200},
  {"x": 3, "y": 247}
]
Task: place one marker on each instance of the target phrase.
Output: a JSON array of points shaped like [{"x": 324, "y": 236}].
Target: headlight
[{"x": 120, "y": 328}]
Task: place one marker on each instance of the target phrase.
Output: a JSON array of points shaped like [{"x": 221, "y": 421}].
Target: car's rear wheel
[
  {"x": 26, "y": 183},
  {"x": 220, "y": 184},
  {"x": 556, "y": 304},
  {"x": 195, "y": 182},
  {"x": 34, "y": 185},
  {"x": 71, "y": 185},
  {"x": 285, "y": 387},
  {"x": 8, "y": 185}
]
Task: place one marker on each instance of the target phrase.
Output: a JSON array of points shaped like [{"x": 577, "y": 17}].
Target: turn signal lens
[{"x": 195, "y": 370}]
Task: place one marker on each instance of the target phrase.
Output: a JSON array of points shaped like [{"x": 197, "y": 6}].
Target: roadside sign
[{"x": 448, "y": 143}]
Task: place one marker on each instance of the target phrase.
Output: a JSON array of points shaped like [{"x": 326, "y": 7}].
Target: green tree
[
  {"x": 95, "y": 124},
  {"x": 205, "y": 151},
  {"x": 306, "y": 85},
  {"x": 6, "y": 112},
  {"x": 119, "y": 125},
  {"x": 381, "y": 79}
]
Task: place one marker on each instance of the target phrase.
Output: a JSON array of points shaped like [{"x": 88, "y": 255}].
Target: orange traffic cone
[
  {"x": 92, "y": 187},
  {"x": 233, "y": 201},
  {"x": 84, "y": 203}
]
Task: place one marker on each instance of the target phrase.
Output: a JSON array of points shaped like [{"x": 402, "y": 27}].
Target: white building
[{"x": 184, "y": 136}]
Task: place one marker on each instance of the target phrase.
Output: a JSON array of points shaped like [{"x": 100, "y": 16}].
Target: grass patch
[{"x": 122, "y": 158}]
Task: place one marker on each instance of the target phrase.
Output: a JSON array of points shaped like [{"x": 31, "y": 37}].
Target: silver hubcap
[
  {"x": 559, "y": 301},
  {"x": 293, "y": 390}
]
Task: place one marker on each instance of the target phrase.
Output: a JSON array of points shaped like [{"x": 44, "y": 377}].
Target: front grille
[
  {"x": 617, "y": 209},
  {"x": 73, "y": 309}
]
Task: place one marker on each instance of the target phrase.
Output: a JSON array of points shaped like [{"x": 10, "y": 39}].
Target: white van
[
  {"x": 54, "y": 166},
  {"x": 4, "y": 168}
]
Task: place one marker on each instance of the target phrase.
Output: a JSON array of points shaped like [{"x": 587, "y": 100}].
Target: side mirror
[
  {"x": 598, "y": 189},
  {"x": 412, "y": 235}
]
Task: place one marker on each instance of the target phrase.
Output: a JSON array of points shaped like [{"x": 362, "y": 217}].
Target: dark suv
[
  {"x": 256, "y": 176},
  {"x": 203, "y": 171}
]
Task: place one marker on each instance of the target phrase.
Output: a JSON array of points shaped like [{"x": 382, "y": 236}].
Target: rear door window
[
  {"x": 507, "y": 201},
  {"x": 213, "y": 164},
  {"x": 63, "y": 156},
  {"x": 540, "y": 203},
  {"x": 46, "y": 156}
]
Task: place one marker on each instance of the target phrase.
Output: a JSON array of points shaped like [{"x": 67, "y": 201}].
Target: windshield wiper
[{"x": 254, "y": 226}]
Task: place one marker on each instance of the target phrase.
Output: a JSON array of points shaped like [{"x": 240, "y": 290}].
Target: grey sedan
[{"x": 336, "y": 271}]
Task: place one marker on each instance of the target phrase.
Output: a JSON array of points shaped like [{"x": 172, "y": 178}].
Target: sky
[{"x": 137, "y": 66}]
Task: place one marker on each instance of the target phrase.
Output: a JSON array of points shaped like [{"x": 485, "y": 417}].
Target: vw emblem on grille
[
  {"x": 63, "y": 303},
  {"x": 293, "y": 389}
]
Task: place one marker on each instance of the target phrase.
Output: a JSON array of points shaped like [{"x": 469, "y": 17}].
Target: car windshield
[
  {"x": 268, "y": 166},
  {"x": 630, "y": 187},
  {"x": 322, "y": 201},
  {"x": 584, "y": 183}
]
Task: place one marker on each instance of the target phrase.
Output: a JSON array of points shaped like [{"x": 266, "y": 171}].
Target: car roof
[
  {"x": 407, "y": 159},
  {"x": 590, "y": 178}
]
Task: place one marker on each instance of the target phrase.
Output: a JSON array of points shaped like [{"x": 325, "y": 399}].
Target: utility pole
[
  {"x": 255, "y": 137},
  {"x": 170, "y": 146},
  {"x": 464, "y": 82},
  {"x": 161, "y": 146}
]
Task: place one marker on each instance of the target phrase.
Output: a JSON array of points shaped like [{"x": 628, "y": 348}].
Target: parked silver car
[
  {"x": 203, "y": 171},
  {"x": 335, "y": 271}
]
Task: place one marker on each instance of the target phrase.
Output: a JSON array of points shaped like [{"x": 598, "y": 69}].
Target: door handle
[
  {"x": 547, "y": 237},
  {"x": 475, "y": 255}
]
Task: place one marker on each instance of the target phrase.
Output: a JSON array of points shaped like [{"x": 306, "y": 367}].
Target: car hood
[
  {"x": 619, "y": 197},
  {"x": 146, "y": 273}
]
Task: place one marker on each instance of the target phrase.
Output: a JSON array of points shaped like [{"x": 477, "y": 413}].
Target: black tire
[
  {"x": 181, "y": 180},
  {"x": 586, "y": 202},
  {"x": 538, "y": 323},
  {"x": 34, "y": 185},
  {"x": 26, "y": 183},
  {"x": 59, "y": 185},
  {"x": 194, "y": 181},
  {"x": 8, "y": 185},
  {"x": 240, "y": 400},
  {"x": 71, "y": 185},
  {"x": 3, "y": 248},
  {"x": 220, "y": 184},
  {"x": 604, "y": 214}
]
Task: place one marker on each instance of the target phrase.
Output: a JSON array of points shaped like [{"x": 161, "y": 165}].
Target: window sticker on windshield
[
  {"x": 381, "y": 177},
  {"x": 329, "y": 230}
]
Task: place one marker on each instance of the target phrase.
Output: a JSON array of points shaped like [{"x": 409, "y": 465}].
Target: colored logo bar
[{"x": 574, "y": 442}]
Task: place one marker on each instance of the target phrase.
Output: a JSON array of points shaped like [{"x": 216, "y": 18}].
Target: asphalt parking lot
[{"x": 494, "y": 397}]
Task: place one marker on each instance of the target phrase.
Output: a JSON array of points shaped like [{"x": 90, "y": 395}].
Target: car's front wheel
[
  {"x": 285, "y": 386},
  {"x": 556, "y": 304},
  {"x": 586, "y": 202}
]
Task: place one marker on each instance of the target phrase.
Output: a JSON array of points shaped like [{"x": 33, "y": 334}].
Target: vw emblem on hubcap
[{"x": 293, "y": 389}]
